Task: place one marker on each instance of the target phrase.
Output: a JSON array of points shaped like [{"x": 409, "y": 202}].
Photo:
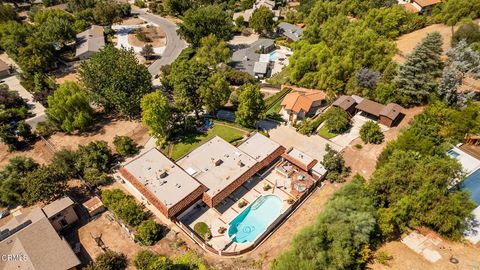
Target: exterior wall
[
  {"x": 68, "y": 216},
  {"x": 317, "y": 103},
  {"x": 242, "y": 179},
  {"x": 168, "y": 212},
  {"x": 385, "y": 121}
]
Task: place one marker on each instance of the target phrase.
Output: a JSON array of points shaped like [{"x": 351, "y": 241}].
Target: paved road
[
  {"x": 175, "y": 45},
  {"x": 36, "y": 108}
]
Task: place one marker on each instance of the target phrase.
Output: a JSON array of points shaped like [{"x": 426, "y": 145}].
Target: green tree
[
  {"x": 107, "y": 12},
  {"x": 336, "y": 120},
  {"x": 125, "y": 146},
  {"x": 178, "y": 7},
  {"x": 56, "y": 30},
  {"x": 13, "y": 36},
  {"x": 203, "y": 21},
  {"x": 7, "y": 13},
  {"x": 393, "y": 22},
  {"x": 36, "y": 56},
  {"x": 148, "y": 260},
  {"x": 114, "y": 79},
  {"x": 334, "y": 163},
  {"x": 95, "y": 155},
  {"x": 416, "y": 77},
  {"x": 69, "y": 109},
  {"x": 453, "y": 11},
  {"x": 8, "y": 137},
  {"x": 470, "y": 32},
  {"x": 110, "y": 260},
  {"x": 43, "y": 185},
  {"x": 124, "y": 206},
  {"x": 215, "y": 92},
  {"x": 184, "y": 80},
  {"x": 262, "y": 20},
  {"x": 156, "y": 114},
  {"x": 370, "y": 132},
  {"x": 148, "y": 232},
  {"x": 11, "y": 177},
  {"x": 341, "y": 236},
  {"x": 251, "y": 105},
  {"x": 212, "y": 51}
]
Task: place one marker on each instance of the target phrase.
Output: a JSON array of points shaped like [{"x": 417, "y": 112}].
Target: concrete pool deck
[{"x": 221, "y": 215}]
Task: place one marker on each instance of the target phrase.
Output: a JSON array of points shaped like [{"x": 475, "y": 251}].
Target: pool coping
[{"x": 272, "y": 228}]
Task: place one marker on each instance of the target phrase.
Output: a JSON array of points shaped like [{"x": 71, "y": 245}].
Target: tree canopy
[
  {"x": 114, "y": 79},
  {"x": 250, "y": 105},
  {"x": 156, "y": 114},
  {"x": 203, "y": 21},
  {"x": 69, "y": 109},
  {"x": 262, "y": 20}
]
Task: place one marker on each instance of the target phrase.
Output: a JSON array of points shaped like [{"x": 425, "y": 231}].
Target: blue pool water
[
  {"x": 255, "y": 219},
  {"x": 472, "y": 183},
  {"x": 273, "y": 56},
  {"x": 452, "y": 153}
]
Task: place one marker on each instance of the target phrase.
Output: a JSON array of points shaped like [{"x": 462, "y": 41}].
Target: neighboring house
[
  {"x": 347, "y": 103},
  {"x": 245, "y": 59},
  {"x": 388, "y": 115},
  {"x": 89, "y": 42},
  {"x": 61, "y": 213},
  {"x": 32, "y": 242},
  {"x": 4, "y": 70},
  {"x": 247, "y": 14},
  {"x": 297, "y": 105},
  {"x": 291, "y": 31},
  {"x": 421, "y": 6}
]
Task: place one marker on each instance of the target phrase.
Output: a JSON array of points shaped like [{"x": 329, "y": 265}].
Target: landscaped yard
[
  {"x": 191, "y": 141},
  {"x": 323, "y": 131}
]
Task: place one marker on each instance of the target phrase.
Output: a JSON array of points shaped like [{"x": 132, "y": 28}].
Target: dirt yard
[
  {"x": 132, "y": 21},
  {"x": 67, "y": 77},
  {"x": 403, "y": 258},
  {"x": 155, "y": 36},
  {"x": 105, "y": 131},
  {"x": 364, "y": 160},
  {"x": 407, "y": 43}
]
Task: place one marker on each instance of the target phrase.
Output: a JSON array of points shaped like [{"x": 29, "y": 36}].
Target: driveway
[
  {"x": 345, "y": 139},
  {"x": 36, "y": 108},
  {"x": 175, "y": 45},
  {"x": 122, "y": 38},
  {"x": 313, "y": 146}
]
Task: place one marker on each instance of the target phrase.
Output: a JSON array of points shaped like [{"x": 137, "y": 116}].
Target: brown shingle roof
[
  {"x": 370, "y": 107},
  {"x": 426, "y": 3},
  {"x": 344, "y": 102},
  {"x": 391, "y": 110}
]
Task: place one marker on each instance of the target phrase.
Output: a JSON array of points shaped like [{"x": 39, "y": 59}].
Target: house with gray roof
[
  {"x": 246, "y": 58},
  {"x": 246, "y": 14},
  {"x": 89, "y": 42},
  {"x": 291, "y": 31},
  {"x": 30, "y": 241}
]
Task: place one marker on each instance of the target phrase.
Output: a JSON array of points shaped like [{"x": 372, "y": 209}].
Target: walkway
[
  {"x": 36, "y": 108},
  {"x": 175, "y": 45}
]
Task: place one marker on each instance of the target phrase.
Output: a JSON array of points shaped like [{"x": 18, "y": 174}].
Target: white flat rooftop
[
  {"x": 300, "y": 156},
  {"x": 216, "y": 164},
  {"x": 259, "y": 147},
  {"x": 469, "y": 163},
  {"x": 167, "y": 181}
]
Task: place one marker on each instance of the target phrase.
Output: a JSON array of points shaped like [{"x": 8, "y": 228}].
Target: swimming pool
[
  {"x": 472, "y": 183},
  {"x": 273, "y": 56},
  {"x": 452, "y": 153},
  {"x": 250, "y": 223}
]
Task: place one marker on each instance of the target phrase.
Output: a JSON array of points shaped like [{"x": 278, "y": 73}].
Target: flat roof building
[
  {"x": 167, "y": 186},
  {"x": 300, "y": 159},
  {"x": 260, "y": 147},
  {"x": 219, "y": 166}
]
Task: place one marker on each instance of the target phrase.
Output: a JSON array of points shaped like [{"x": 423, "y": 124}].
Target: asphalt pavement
[{"x": 175, "y": 44}]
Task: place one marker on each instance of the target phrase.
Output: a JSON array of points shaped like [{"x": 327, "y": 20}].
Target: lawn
[
  {"x": 323, "y": 131},
  {"x": 190, "y": 141}
]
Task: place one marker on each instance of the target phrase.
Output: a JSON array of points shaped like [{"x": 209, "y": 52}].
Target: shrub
[
  {"x": 44, "y": 129},
  {"x": 110, "y": 260},
  {"x": 148, "y": 232},
  {"x": 242, "y": 203},
  {"x": 266, "y": 187},
  {"x": 370, "y": 132},
  {"x": 148, "y": 260},
  {"x": 125, "y": 146},
  {"x": 124, "y": 206},
  {"x": 202, "y": 229},
  {"x": 382, "y": 257},
  {"x": 336, "y": 120},
  {"x": 222, "y": 230},
  {"x": 335, "y": 165}
]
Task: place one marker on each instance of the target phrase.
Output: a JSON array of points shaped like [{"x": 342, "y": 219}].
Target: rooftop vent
[
  {"x": 162, "y": 173},
  {"x": 240, "y": 163},
  {"x": 218, "y": 162}
]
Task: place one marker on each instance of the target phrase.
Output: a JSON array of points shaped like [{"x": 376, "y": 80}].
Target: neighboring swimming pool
[
  {"x": 472, "y": 183},
  {"x": 253, "y": 221},
  {"x": 273, "y": 56}
]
